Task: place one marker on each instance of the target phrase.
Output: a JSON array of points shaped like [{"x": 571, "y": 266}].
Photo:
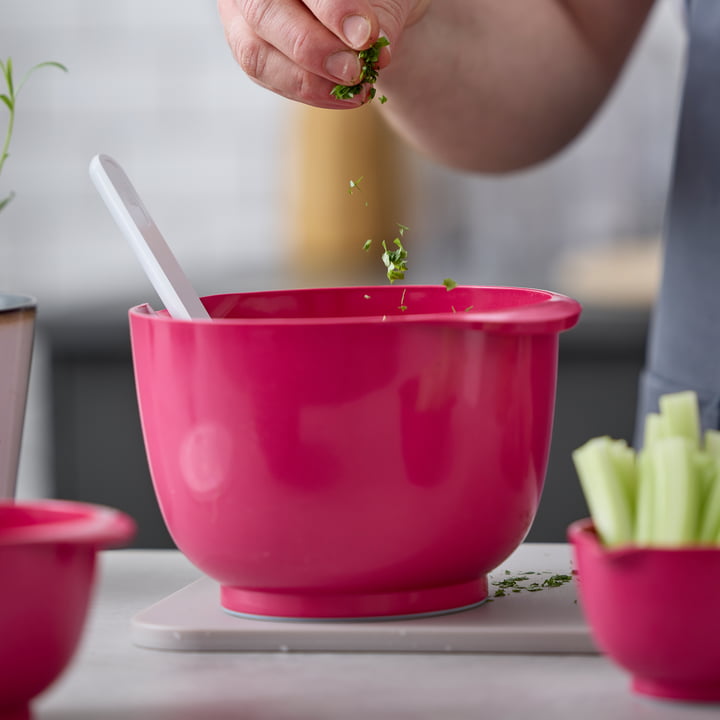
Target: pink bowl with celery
[
  {"x": 351, "y": 452},
  {"x": 654, "y": 611}
]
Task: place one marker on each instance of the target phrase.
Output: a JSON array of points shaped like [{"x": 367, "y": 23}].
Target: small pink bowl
[
  {"x": 47, "y": 567},
  {"x": 351, "y": 452},
  {"x": 655, "y": 612}
]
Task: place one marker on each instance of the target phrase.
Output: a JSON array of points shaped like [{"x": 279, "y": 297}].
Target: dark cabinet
[{"x": 99, "y": 454}]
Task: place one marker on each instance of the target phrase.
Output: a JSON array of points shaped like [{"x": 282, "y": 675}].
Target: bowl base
[
  {"x": 683, "y": 692},
  {"x": 16, "y": 712},
  {"x": 422, "y": 602}
]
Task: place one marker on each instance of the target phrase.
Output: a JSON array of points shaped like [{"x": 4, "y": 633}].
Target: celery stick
[
  {"x": 710, "y": 512},
  {"x": 676, "y": 492},
  {"x": 623, "y": 459},
  {"x": 681, "y": 415},
  {"x": 645, "y": 509},
  {"x": 712, "y": 442},
  {"x": 706, "y": 469},
  {"x": 654, "y": 429},
  {"x": 605, "y": 492}
]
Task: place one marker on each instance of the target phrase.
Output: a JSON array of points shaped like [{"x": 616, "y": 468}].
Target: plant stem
[{"x": 8, "y": 134}]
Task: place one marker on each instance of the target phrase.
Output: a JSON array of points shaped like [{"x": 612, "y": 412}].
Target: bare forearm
[{"x": 497, "y": 85}]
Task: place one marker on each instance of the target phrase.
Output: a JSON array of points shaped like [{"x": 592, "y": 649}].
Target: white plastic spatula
[{"x": 156, "y": 258}]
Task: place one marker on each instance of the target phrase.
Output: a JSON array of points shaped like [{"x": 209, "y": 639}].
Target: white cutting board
[{"x": 549, "y": 620}]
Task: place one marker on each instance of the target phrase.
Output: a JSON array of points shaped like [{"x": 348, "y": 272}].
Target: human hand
[{"x": 302, "y": 49}]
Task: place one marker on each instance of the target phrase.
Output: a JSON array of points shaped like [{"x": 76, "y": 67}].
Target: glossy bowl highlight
[
  {"x": 47, "y": 566},
  {"x": 351, "y": 452},
  {"x": 654, "y": 611}
]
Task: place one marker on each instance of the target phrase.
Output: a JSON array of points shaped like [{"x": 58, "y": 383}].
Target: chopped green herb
[
  {"x": 518, "y": 583},
  {"x": 556, "y": 580},
  {"x": 354, "y": 185},
  {"x": 368, "y": 73},
  {"x": 402, "y": 307},
  {"x": 395, "y": 260},
  {"x": 367, "y": 244},
  {"x": 449, "y": 283}
]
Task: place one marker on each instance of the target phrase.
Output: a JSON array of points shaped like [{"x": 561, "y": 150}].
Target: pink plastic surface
[
  {"x": 324, "y": 453},
  {"x": 47, "y": 562},
  {"x": 654, "y": 612}
]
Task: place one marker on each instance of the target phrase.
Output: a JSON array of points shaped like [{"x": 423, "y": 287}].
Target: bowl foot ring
[{"x": 406, "y": 604}]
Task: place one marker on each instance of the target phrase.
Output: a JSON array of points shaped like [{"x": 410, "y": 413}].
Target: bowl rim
[
  {"x": 65, "y": 521},
  {"x": 550, "y": 312},
  {"x": 583, "y": 533}
]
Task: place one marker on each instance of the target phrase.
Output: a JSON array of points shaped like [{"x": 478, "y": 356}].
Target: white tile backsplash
[{"x": 152, "y": 83}]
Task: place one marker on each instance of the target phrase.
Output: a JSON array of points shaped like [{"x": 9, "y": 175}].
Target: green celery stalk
[
  {"x": 605, "y": 491},
  {"x": 645, "y": 504},
  {"x": 710, "y": 514},
  {"x": 667, "y": 494},
  {"x": 706, "y": 469},
  {"x": 681, "y": 416},
  {"x": 654, "y": 429},
  {"x": 623, "y": 459},
  {"x": 676, "y": 492},
  {"x": 712, "y": 443}
]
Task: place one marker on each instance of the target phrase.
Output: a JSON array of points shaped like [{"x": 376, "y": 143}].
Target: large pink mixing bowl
[
  {"x": 351, "y": 452},
  {"x": 654, "y": 611},
  {"x": 47, "y": 566}
]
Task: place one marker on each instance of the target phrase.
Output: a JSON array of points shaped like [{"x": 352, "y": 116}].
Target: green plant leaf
[
  {"x": 6, "y": 200},
  {"x": 49, "y": 63},
  {"x": 9, "y": 77},
  {"x": 7, "y": 101}
]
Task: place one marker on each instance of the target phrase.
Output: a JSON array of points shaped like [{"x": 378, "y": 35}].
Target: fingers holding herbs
[
  {"x": 324, "y": 53},
  {"x": 284, "y": 47}
]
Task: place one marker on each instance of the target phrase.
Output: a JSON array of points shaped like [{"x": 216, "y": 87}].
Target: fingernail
[
  {"x": 343, "y": 66},
  {"x": 356, "y": 30}
]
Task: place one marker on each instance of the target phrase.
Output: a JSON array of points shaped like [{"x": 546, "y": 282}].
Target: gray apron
[{"x": 684, "y": 340}]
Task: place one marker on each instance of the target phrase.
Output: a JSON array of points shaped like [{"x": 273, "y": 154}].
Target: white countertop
[{"x": 112, "y": 679}]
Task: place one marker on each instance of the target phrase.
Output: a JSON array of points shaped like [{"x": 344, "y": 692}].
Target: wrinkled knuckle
[
  {"x": 252, "y": 58},
  {"x": 300, "y": 47},
  {"x": 305, "y": 88},
  {"x": 256, "y": 13}
]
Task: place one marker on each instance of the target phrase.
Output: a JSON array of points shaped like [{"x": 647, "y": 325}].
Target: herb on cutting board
[
  {"x": 525, "y": 582},
  {"x": 668, "y": 493},
  {"x": 9, "y": 98},
  {"x": 368, "y": 73}
]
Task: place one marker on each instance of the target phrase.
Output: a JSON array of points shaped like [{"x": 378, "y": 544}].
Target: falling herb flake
[
  {"x": 354, "y": 185},
  {"x": 402, "y": 306},
  {"x": 395, "y": 260},
  {"x": 367, "y": 244},
  {"x": 368, "y": 73},
  {"x": 449, "y": 283}
]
